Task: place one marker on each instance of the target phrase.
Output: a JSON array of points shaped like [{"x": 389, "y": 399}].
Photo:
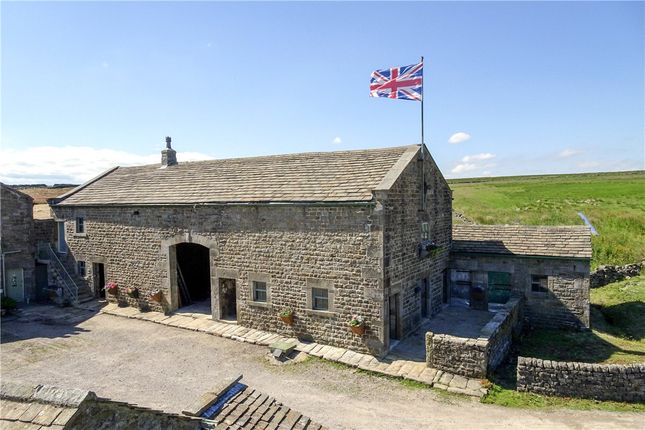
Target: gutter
[{"x": 222, "y": 204}]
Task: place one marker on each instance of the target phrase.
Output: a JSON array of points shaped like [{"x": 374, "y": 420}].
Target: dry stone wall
[
  {"x": 476, "y": 357},
  {"x": 608, "y": 274},
  {"x": 624, "y": 383},
  {"x": 403, "y": 217}
]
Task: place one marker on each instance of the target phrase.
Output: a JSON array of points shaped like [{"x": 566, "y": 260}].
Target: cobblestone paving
[{"x": 400, "y": 368}]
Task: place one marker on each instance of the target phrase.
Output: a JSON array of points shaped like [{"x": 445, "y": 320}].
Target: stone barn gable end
[{"x": 328, "y": 235}]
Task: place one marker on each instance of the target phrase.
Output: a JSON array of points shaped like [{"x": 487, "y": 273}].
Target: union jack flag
[{"x": 405, "y": 82}]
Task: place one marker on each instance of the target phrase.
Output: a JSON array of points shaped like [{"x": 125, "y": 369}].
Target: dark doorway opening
[
  {"x": 446, "y": 287},
  {"x": 394, "y": 317},
  {"x": 193, "y": 274},
  {"x": 98, "y": 273},
  {"x": 228, "y": 299},
  {"x": 425, "y": 295},
  {"x": 41, "y": 280}
]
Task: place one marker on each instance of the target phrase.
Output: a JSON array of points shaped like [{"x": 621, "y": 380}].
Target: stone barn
[
  {"x": 17, "y": 263},
  {"x": 327, "y": 235},
  {"x": 549, "y": 266}
]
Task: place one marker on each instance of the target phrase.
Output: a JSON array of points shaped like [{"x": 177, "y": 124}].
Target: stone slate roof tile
[
  {"x": 558, "y": 241},
  {"x": 342, "y": 176}
]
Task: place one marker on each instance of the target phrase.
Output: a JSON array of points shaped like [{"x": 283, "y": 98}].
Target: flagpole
[{"x": 422, "y": 97}]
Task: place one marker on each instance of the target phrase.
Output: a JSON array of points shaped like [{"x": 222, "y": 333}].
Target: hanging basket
[
  {"x": 358, "y": 329},
  {"x": 156, "y": 296}
]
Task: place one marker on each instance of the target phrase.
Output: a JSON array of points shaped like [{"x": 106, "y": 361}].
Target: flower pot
[
  {"x": 113, "y": 291},
  {"x": 156, "y": 297},
  {"x": 288, "y": 320},
  {"x": 133, "y": 293},
  {"x": 358, "y": 329}
]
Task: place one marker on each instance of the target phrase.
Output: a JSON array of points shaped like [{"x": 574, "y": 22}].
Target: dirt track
[{"x": 165, "y": 367}]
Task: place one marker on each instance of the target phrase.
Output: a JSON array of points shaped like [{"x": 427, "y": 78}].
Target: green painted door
[
  {"x": 15, "y": 283},
  {"x": 499, "y": 287}
]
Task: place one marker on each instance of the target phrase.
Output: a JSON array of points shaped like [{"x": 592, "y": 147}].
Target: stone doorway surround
[{"x": 169, "y": 253}]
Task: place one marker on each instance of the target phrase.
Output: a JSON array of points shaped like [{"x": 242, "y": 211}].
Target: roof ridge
[{"x": 289, "y": 154}]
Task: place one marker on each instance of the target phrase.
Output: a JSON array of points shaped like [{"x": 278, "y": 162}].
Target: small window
[
  {"x": 80, "y": 224},
  {"x": 259, "y": 291},
  {"x": 80, "y": 268},
  {"x": 425, "y": 232},
  {"x": 539, "y": 284},
  {"x": 319, "y": 299}
]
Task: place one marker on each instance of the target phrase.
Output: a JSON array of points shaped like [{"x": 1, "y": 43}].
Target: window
[
  {"x": 259, "y": 291},
  {"x": 539, "y": 284},
  {"x": 319, "y": 299},
  {"x": 80, "y": 268},
  {"x": 80, "y": 224},
  {"x": 425, "y": 234}
]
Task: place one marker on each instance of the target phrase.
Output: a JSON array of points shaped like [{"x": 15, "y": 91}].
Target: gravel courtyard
[{"x": 165, "y": 367}]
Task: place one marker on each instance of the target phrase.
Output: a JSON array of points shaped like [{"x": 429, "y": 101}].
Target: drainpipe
[{"x": 3, "y": 258}]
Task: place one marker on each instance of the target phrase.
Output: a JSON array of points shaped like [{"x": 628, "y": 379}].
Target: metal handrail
[{"x": 69, "y": 284}]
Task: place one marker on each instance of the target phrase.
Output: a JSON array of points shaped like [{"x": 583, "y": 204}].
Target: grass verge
[{"x": 510, "y": 398}]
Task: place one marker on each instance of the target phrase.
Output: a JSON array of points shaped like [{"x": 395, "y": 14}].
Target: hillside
[{"x": 613, "y": 202}]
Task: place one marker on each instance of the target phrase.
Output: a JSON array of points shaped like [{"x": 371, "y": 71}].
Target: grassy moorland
[{"x": 613, "y": 202}]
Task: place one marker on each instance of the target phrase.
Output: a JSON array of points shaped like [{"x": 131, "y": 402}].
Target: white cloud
[
  {"x": 337, "y": 141},
  {"x": 459, "y": 137},
  {"x": 566, "y": 153},
  {"x": 478, "y": 157},
  {"x": 71, "y": 164},
  {"x": 588, "y": 164},
  {"x": 463, "y": 167},
  {"x": 474, "y": 162}
]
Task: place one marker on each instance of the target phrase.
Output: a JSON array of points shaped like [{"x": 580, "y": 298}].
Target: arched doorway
[{"x": 193, "y": 275}]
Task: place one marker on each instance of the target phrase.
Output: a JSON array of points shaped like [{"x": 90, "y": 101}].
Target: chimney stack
[{"x": 168, "y": 155}]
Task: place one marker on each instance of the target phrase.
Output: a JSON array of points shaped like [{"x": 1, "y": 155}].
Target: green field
[{"x": 613, "y": 202}]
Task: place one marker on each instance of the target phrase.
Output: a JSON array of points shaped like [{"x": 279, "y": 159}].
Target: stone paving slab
[{"x": 399, "y": 368}]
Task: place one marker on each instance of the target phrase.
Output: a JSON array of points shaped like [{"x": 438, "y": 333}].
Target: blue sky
[{"x": 527, "y": 88}]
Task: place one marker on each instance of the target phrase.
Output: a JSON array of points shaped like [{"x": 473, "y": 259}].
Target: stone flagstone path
[{"x": 391, "y": 366}]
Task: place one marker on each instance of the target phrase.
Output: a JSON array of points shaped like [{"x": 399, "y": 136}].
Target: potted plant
[
  {"x": 357, "y": 324},
  {"x": 156, "y": 296},
  {"x": 7, "y": 305},
  {"x": 132, "y": 292},
  {"x": 111, "y": 288},
  {"x": 286, "y": 315}
]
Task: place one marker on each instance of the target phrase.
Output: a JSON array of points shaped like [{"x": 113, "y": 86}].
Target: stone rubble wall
[
  {"x": 44, "y": 231},
  {"x": 287, "y": 245},
  {"x": 608, "y": 274},
  {"x": 102, "y": 413},
  {"x": 476, "y": 357},
  {"x": 623, "y": 383}
]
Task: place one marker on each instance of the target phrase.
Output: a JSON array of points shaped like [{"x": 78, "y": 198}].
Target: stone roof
[
  {"x": 251, "y": 409},
  {"x": 343, "y": 176},
  {"x": 560, "y": 241}
]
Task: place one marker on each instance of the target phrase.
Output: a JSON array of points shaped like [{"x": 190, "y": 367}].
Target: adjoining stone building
[
  {"x": 17, "y": 264},
  {"x": 549, "y": 266},
  {"x": 329, "y": 235}
]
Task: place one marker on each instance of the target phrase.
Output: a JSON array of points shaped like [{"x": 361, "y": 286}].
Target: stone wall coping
[
  {"x": 574, "y": 365},
  {"x": 44, "y": 394}
]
